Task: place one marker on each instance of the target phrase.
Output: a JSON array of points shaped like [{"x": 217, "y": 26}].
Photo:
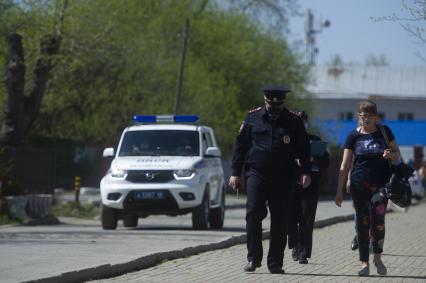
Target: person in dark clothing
[
  {"x": 271, "y": 138},
  {"x": 304, "y": 204},
  {"x": 354, "y": 242},
  {"x": 370, "y": 171}
]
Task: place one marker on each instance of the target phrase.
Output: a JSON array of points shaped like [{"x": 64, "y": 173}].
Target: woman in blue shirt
[{"x": 367, "y": 148}]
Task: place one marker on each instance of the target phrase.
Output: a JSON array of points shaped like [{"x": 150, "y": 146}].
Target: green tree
[
  {"x": 119, "y": 58},
  {"x": 21, "y": 109}
]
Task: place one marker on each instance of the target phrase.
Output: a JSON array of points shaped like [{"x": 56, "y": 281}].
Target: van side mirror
[
  {"x": 108, "y": 152},
  {"x": 212, "y": 152}
]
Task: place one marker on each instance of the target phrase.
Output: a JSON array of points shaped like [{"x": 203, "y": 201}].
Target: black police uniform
[
  {"x": 272, "y": 146},
  {"x": 304, "y": 207}
]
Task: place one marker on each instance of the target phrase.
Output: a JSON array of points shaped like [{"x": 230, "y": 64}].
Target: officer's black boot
[
  {"x": 251, "y": 266},
  {"x": 354, "y": 244},
  {"x": 276, "y": 270},
  {"x": 302, "y": 255}
]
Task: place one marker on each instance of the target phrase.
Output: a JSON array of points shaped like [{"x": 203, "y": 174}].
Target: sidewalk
[
  {"x": 79, "y": 250},
  {"x": 333, "y": 261}
]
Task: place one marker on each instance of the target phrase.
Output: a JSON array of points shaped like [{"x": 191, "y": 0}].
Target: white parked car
[{"x": 164, "y": 165}]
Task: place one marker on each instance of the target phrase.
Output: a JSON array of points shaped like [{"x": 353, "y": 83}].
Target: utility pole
[
  {"x": 181, "y": 66},
  {"x": 311, "y": 49}
]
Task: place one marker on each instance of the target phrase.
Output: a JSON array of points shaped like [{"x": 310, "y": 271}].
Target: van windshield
[{"x": 160, "y": 142}]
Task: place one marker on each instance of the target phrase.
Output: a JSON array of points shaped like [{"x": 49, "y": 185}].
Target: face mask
[{"x": 274, "y": 112}]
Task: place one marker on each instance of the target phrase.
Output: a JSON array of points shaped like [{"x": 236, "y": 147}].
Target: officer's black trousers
[
  {"x": 302, "y": 217},
  {"x": 272, "y": 190}
]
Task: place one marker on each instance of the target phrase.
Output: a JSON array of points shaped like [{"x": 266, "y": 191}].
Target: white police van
[{"x": 164, "y": 165}]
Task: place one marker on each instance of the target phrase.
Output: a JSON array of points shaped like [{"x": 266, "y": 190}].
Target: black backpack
[{"x": 398, "y": 188}]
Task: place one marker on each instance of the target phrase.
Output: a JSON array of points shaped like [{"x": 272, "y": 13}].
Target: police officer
[
  {"x": 304, "y": 204},
  {"x": 271, "y": 138}
]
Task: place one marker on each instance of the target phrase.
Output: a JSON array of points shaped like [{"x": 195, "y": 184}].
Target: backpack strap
[{"x": 385, "y": 136}]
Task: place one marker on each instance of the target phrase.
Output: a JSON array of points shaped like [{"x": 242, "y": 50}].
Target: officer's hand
[
  {"x": 305, "y": 181},
  {"x": 339, "y": 198},
  {"x": 234, "y": 182},
  {"x": 348, "y": 186}
]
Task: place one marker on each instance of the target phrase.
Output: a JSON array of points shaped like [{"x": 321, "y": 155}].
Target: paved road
[
  {"x": 35, "y": 252},
  {"x": 333, "y": 261}
]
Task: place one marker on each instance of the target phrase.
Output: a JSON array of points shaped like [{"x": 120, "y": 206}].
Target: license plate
[{"x": 149, "y": 195}]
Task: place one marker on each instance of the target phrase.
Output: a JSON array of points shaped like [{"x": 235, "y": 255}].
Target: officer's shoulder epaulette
[
  {"x": 255, "y": 109},
  {"x": 294, "y": 115}
]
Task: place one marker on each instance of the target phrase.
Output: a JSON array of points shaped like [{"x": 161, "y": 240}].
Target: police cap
[{"x": 275, "y": 93}]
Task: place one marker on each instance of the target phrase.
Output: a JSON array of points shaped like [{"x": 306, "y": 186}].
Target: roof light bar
[
  {"x": 186, "y": 118},
  {"x": 144, "y": 118},
  {"x": 165, "y": 118}
]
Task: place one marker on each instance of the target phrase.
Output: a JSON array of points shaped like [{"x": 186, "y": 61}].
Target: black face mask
[
  {"x": 274, "y": 105},
  {"x": 274, "y": 112}
]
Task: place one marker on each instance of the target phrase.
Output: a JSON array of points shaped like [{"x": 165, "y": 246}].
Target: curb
[{"x": 108, "y": 270}]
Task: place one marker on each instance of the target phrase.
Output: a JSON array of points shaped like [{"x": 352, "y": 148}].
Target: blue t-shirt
[{"x": 369, "y": 165}]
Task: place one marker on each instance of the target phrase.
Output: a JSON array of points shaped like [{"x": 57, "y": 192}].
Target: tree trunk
[
  {"x": 49, "y": 46},
  {"x": 14, "y": 78},
  {"x": 21, "y": 110}
]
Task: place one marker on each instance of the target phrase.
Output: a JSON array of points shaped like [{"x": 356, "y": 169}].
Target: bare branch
[
  {"x": 414, "y": 22},
  {"x": 60, "y": 25}
]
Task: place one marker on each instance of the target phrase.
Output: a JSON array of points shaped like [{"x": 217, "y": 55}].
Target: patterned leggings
[{"x": 370, "y": 207}]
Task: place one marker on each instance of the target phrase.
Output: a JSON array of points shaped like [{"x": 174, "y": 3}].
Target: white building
[{"x": 400, "y": 93}]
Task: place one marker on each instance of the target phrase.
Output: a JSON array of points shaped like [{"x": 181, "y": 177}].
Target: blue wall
[{"x": 406, "y": 132}]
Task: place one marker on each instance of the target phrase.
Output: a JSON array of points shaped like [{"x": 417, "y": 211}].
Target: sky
[{"x": 353, "y": 34}]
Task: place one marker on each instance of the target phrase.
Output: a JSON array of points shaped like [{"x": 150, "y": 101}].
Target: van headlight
[
  {"x": 184, "y": 174},
  {"x": 118, "y": 174}
]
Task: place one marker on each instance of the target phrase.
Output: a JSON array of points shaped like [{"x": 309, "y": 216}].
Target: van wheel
[
  {"x": 200, "y": 214},
  {"x": 130, "y": 220},
  {"x": 109, "y": 218},
  {"x": 217, "y": 215}
]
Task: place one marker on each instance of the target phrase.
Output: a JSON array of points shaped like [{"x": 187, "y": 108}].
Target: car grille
[{"x": 149, "y": 176}]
